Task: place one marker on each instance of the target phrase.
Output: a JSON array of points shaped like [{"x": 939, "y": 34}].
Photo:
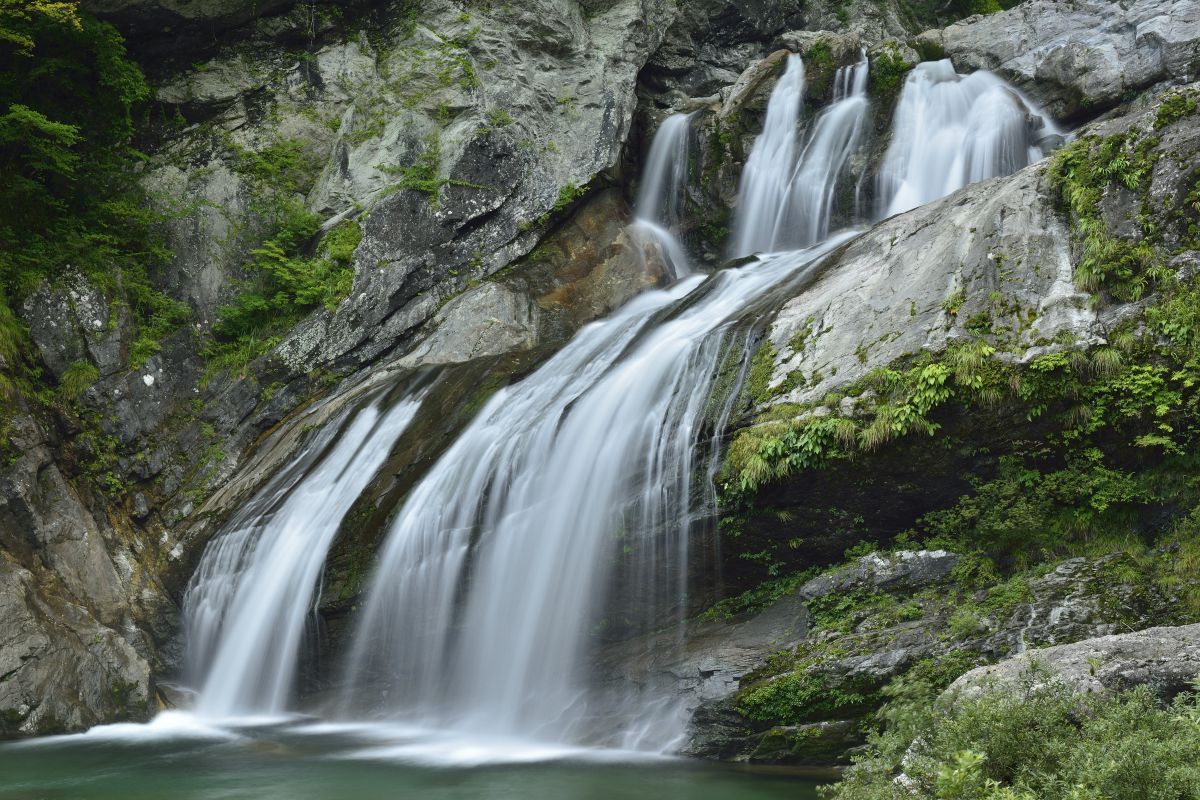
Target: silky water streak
[{"x": 247, "y": 606}]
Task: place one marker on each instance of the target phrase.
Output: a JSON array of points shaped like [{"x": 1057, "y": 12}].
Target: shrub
[{"x": 1041, "y": 742}]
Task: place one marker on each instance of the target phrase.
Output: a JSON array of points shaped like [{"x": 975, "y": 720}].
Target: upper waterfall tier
[
  {"x": 787, "y": 193},
  {"x": 765, "y": 177},
  {"x": 660, "y": 200},
  {"x": 951, "y": 130}
]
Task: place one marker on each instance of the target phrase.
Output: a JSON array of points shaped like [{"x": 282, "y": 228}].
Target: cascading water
[
  {"x": 247, "y": 605},
  {"x": 803, "y": 217},
  {"x": 499, "y": 568},
  {"x": 786, "y": 197},
  {"x": 659, "y": 208},
  {"x": 495, "y": 568},
  {"x": 951, "y": 130},
  {"x": 763, "y": 188}
]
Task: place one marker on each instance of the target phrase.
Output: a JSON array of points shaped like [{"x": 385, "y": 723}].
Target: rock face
[
  {"x": 1165, "y": 659},
  {"x": 916, "y": 281},
  {"x": 1080, "y": 56},
  {"x": 855, "y": 628},
  {"x": 70, "y": 652}
]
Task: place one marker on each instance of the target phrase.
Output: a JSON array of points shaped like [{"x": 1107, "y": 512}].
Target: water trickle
[
  {"x": 660, "y": 197},
  {"x": 951, "y": 130},
  {"x": 659, "y": 209},
  {"x": 247, "y": 605}
]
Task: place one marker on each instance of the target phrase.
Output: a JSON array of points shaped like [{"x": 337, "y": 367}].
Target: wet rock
[
  {"x": 61, "y": 669},
  {"x": 914, "y": 282},
  {"x": 487, "y": 320},
  {"x": 813, "y": 744}
]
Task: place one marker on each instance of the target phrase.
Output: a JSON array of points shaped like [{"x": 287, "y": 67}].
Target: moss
[
  {"x": 761, "y": 368},
  {"x": 888, "y": 69},
  {"x": 1176, "y": 105}
]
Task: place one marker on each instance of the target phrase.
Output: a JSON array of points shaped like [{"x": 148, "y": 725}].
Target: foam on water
[{"x": 166, "y": 726}]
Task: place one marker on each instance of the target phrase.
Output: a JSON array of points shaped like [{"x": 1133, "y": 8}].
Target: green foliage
[
  {"x": 422, "y": 175},
  {"x": 799, "y": 696},
  {"x": 1040, "y": 742},
  {"x": 77, "y": 378},
  {"x": 757, "y": 598},
  {"x": 566, "y": 196},
  {"x": 888, "y": 69},
  {"x": 68, "y": 94},
  {"x": 1082, "y": 173},
  {"x": 819, "y": 56},
  {"x": 935, "y": 13},
  {"x": 785, "y": 440},
  {"x": 500, "y": 118},
  {"x": 283, "y": 287},
  {"x": 1175, "y": 106}
]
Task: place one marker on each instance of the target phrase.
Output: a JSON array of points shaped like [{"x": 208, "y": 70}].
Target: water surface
[{"x": 183, "y": 759}]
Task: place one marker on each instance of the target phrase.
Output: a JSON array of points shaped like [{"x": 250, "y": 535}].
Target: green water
[{"x": 281, "y": 763}]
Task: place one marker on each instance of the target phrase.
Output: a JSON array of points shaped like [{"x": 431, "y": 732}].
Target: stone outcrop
[
  {"x": 1167, "y": 660},
  {"x": 1076, "y": 57},
  {"x": 71, "y": 588},
  {"x": 907, "y": 611},
  {"x": 996, "y": 256}
]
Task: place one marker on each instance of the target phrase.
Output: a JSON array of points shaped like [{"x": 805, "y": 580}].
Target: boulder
[
  {"x": 1165, "y": 659},
  {"x": 1074, "y": 58}
]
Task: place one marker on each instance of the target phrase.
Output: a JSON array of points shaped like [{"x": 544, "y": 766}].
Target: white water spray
[
  {"x": 247, "y": 605},
  {"x": 951, "y": 130},
  {"x": 497, "y": 565}
]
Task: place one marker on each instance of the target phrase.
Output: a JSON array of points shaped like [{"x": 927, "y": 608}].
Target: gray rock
[
  {"x": 906, "y": 569},
  {"x": 61, "y": 669},
  {"x": 1074, "y": 56},
  {"x": 1165, "y": 659},
  {"x": 487, "y": 320},
  {"x": 912, "y": 283},
  {"x": 72, "y": 321}
]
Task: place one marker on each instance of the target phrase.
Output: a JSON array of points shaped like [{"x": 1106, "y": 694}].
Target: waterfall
[
  {"x": 763, "y": 188},
  {"x": 659, "y": 208},
  {"x": 804, "y": 215},
  {"x": 582, "y": 488},
  {"x": 660, "y": 197},
  {"x": 247, "y": 605},
  {"x": 951, "y": 130},
  {"x": 496, "y": 566},
  {"x": 787, "y": 195}
]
